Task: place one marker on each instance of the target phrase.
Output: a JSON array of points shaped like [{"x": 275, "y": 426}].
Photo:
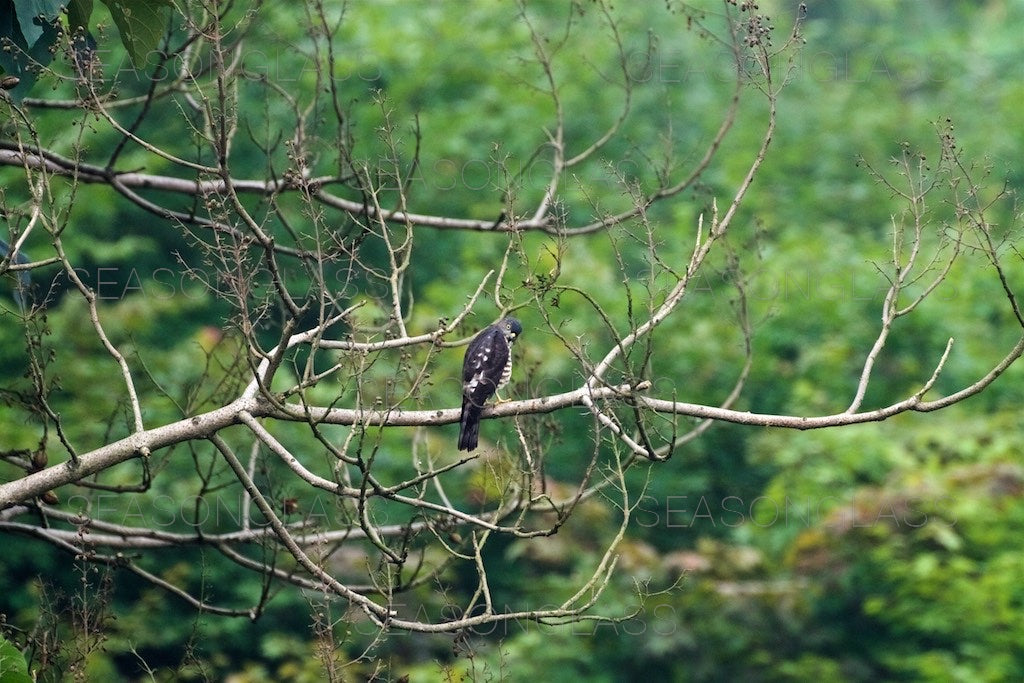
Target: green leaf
[
  {"x": 28, "y": 12},
  {"x": 17, "y": 60},
  {"x": 13, "y": 668},
  {"x": 79, "y": 12},
  {"x": 141, "y": 24}
]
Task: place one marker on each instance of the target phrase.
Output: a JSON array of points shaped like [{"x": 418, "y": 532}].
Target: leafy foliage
[
  {"x": 30, "y": 31},
  {"x": 883, "y": 551},
  {"x": 13, "y": 668}
]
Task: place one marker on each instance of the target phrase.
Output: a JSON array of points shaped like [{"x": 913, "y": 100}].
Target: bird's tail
[{"x": 469, "y": 426}]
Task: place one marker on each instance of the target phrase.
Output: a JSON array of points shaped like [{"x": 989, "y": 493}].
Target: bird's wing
[{"x": 481, "y": 370}]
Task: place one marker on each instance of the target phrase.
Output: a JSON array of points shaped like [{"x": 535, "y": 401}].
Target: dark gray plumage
[{"x": 486, "y": 369}]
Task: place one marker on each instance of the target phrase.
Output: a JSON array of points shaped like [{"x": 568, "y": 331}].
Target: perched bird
[{"x": 486, "y": 369}]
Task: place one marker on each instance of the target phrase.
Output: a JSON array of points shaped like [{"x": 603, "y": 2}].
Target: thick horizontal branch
[
  {"x": 59, "y": 165},
  {"x": 406, "y": 217},
  {"x": 421, "y": 418},
  {"x": 89, "y": 173},
  {"x": 208, "y": 424},
  {"x": 205, "y": 425},
  {"x": 136, "y": 445},
  {"x": 123, "y": 537},
  {"x": 51, "y": 162}
]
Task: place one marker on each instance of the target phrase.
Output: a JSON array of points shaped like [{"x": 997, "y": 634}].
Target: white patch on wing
[
  {"x": 481, "y": 376},
  {"x": 473, "y": 382}
]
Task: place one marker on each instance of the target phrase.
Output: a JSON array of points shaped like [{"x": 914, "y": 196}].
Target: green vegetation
[{"x": 881, "y": 551}]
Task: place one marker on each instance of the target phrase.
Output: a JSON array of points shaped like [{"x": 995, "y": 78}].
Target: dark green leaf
[
  {"x": 79, "y": 12},
  {"x": 141, "y": 24},
  {"x": 29, "y": 13},
  {"x": 19, "y": 59},
  {"x": 84, "y": 44}
]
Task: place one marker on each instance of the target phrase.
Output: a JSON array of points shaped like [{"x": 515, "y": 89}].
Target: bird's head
[{"x": 510, "y": 327}]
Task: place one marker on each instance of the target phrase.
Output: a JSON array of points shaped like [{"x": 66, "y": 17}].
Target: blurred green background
[{"x": 888, "y": 551}]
